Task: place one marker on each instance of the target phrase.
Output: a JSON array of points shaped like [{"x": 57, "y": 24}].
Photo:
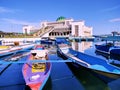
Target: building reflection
[{"x": 81, "y": 46}]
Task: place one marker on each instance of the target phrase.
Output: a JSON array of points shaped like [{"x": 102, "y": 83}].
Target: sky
[{"x": 102, "y": 15}]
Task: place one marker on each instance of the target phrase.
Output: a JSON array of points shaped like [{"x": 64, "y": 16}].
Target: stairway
[{"x": 43, "y": 31}]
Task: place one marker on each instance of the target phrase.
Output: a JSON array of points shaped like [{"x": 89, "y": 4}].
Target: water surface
[{"x": 63, "y": 76}]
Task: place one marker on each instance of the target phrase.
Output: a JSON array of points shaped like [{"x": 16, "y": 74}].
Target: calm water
[{"x": 63, "y": 76}]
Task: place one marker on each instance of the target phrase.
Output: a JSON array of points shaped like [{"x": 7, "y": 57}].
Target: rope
[{"x": 35, "y": 61}]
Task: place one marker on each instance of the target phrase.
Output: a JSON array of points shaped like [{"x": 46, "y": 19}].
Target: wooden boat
[
  {"x": 94, "y": 64},
  {"x": 108, "y": 48},
  {"x": 8, "y": 50},
  {"x": 37, "y": 74},
  {"x": 105, "y": 48}
]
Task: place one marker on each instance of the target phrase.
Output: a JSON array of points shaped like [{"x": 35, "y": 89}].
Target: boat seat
[
  {"x": 40, "y": 54},
  {"x": 38, "y": 67},
  {"x": 34, "y": 77}
]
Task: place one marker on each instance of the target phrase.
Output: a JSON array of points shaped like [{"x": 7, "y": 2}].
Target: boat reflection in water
[{"x": 112, "y": 58}]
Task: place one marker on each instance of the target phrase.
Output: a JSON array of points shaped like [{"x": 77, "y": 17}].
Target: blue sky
[{"x": 102, "y": 15}]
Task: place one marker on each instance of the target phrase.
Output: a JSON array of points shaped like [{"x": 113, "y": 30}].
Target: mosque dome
[{"x": 61, "y": 18}]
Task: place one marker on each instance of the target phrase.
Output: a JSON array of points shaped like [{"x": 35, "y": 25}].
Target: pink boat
[{"x": 36, "y": 74}]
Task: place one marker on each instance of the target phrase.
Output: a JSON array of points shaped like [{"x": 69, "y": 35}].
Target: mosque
[{"x": 62, "y": 27}]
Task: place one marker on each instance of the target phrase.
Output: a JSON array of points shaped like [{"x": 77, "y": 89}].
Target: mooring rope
[{"x": 35, "y": 61}]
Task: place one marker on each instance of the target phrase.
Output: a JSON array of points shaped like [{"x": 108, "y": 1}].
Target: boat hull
[
  {"x": 108, "y": 49},
  {"x": 15, "y": 49},
  {"x": 36, "y": 78},
  {"x": 105, "y": 77},
  {"x": 103, "y": 48},
  {"x": 115, "y": 51},
  {"x": 38, "y": 84}
]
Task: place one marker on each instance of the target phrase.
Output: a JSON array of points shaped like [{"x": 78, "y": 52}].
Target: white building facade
[
  {"x": 27, "y": 29},
  {"x": 64, "y": 27},
  {"x": 76, "y": 28},
  {"x": 79, "y": 29}
]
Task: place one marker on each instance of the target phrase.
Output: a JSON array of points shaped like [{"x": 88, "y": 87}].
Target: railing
[{"x": 45, "y": 30}]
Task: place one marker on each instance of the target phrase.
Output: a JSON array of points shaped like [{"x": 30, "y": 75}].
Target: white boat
[{"x": 8, "y": 50}]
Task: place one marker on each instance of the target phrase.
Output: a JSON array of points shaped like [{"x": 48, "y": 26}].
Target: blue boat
[
  {"x": 61, "y": 40},
  {"x": 108, "y": 48},
  {"x": 45, "y": 41},
  {"x": 105, "y": 48},
  {"x": 99, "y": 66}
]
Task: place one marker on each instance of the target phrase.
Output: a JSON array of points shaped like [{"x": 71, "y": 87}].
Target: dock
[
  {"x": 111, "y": 38},
  {"x": 78, "y": 39}
]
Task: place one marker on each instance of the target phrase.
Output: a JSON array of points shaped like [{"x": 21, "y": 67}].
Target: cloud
[
  {"x": 111, "y": 8},
  {"x": 6, "y": 10},
  {"x": 115, "y": 20},
  {"x": 19, "y": 22}
]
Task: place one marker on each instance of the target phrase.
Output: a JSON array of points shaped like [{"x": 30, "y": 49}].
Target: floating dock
[{"x": 78, "y": 39}]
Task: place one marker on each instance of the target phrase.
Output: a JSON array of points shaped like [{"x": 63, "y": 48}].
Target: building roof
[{"x": 61, "y": 18}]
